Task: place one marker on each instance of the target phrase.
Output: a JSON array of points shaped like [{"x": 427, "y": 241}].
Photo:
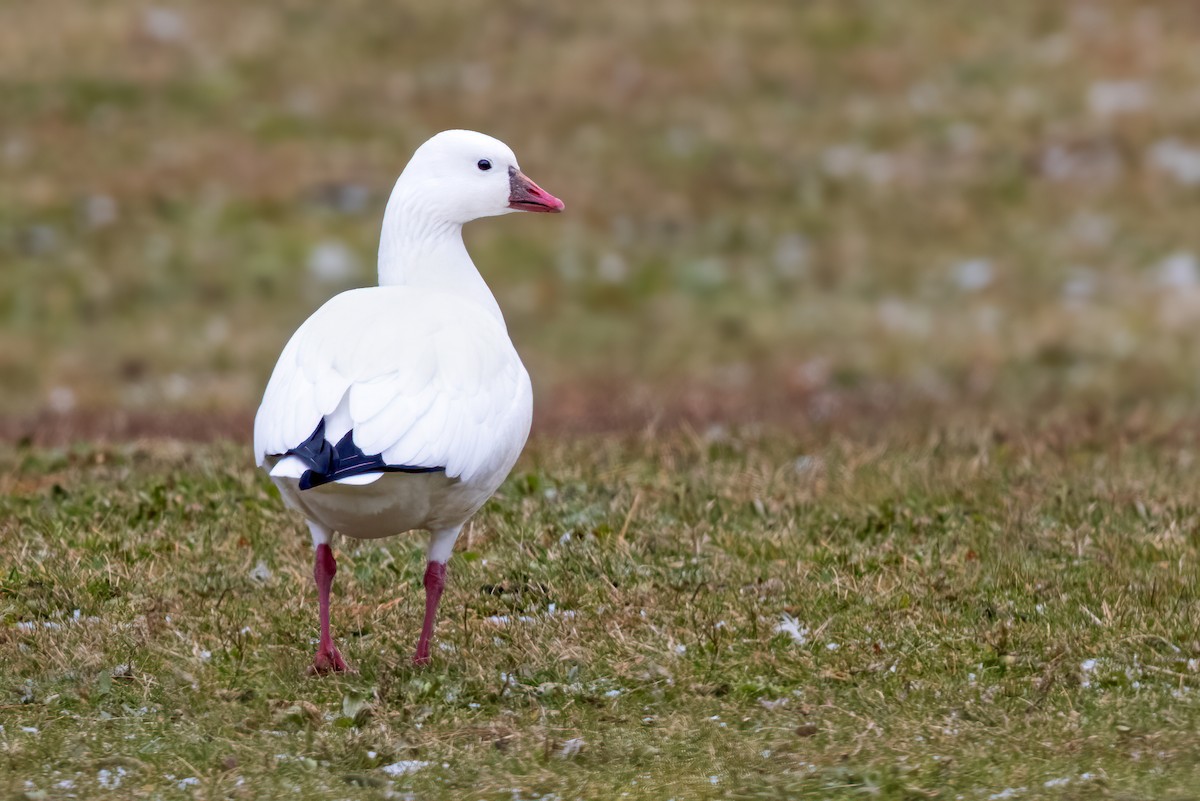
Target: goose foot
[{"x": 328, "y": 660}]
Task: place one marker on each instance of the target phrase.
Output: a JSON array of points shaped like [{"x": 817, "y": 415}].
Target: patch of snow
[
  {"x": 1060, "y": 163},
  {"x": 98, "y": 211},
  {"x": 1115, "y": 98},
  {"x": 110, "y": 779},
  {"x": 176, "y": 386},
  {"x": 404, "y": 767},
  {"x": 332, "y": 262},
  {"x": 1086, "y": 667},
  {"x": 1180, "y": 270},
  {"x": 164, "y": 25},
  {"x": 900, "y": 317},
  {"x": 1079, "y": 286},
  {"x": 1180, "y": 162},
  {"x": 61, "y": 400},
  {"x": 15, "y": 150},
  {"x": 38, "y": 240},
  {"x": 841, "y": 161},
  {"x": 612, "y": 269},
  {"x": 791, "y": 256},
  {"x": 973, "y": 275},
  {"x": 853, "y": 161},
  {"x": 571, "y": 748},
  {"x": 1007, "y": 792}
]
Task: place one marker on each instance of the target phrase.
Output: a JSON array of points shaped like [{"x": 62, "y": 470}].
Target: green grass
[{"x": 988, "y": 608}]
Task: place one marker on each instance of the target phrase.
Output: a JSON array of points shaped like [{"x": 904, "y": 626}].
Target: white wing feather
[{"x": 428, "y": 380}]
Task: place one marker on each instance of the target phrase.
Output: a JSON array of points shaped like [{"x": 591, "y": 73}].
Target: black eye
[{"x": 484, "y": 164}]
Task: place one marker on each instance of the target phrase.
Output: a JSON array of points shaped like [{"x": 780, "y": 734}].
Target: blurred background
[{"x": 772, "y": 207}]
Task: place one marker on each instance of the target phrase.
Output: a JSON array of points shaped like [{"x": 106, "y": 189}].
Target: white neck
[{"x": 417, "y": 249}]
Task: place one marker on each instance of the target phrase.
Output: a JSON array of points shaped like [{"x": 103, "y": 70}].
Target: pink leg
[
  {"x": 435, "y": 582},
  {"x": 327, "y": 659}
]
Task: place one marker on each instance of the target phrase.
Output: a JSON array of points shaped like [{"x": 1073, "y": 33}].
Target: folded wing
[{"x": 418, "y": 381}]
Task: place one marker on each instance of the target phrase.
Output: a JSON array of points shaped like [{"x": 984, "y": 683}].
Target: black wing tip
[
  {"x": 329, "y": 463},
  {"x": 310, "y": 479}
]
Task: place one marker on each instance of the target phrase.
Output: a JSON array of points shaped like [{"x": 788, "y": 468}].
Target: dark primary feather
[{"x": 327, "y": 463}]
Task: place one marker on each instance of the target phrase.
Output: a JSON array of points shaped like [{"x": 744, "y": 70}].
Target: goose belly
[{"x": 396, "y": 503}]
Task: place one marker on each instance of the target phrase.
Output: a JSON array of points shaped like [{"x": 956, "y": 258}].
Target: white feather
[
  {"x": 361, "y": 480},
  {"x": 417, "y": 391},
  {"x": 289, "y": 467}
]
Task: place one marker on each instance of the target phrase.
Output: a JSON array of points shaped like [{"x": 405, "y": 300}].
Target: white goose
[{"x": 404, "y": 406}]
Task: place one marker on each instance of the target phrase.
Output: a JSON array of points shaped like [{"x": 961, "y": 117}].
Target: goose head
[{"x": 461, "y": 176}]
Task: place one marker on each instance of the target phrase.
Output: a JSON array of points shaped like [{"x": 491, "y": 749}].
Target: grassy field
[
  {"x": 866, "y": 424},
  {"x": 987, "y": 205},
  {"x": 973, "y": 612}
]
